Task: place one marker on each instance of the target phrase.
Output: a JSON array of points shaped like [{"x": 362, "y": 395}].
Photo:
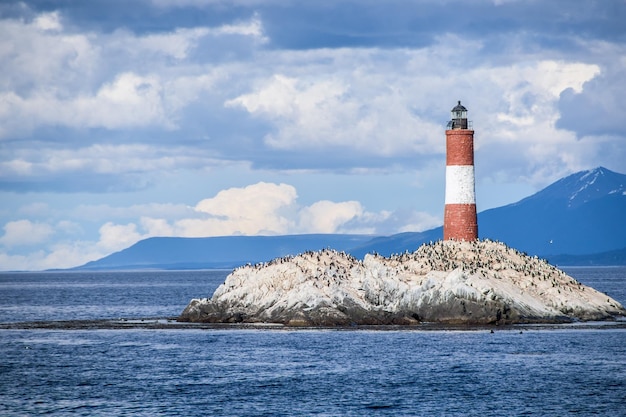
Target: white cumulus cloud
[
  {"x": 327, "y": 216},
  {"x": 329, "y": 112},
  {"x": 255, "y": 209},
  {"x": 25, "y": 233},
  {"x": 114, "y": 237},
  {"x": 48, "y": 21}
]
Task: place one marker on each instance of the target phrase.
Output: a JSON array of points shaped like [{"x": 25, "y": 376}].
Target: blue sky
[{"x": 124, "y": 120}]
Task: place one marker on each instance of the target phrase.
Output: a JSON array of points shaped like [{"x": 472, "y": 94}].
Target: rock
[{"x": 451, "y": 282}]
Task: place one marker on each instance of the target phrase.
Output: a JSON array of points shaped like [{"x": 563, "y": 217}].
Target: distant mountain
[
  {"x": 579, "y": 214},
  {"x": 398, "y": 243},
  {"x": 218, "y": 252},
  {"x": 613, "y": 257},
  {"x": 578, "y": 220}
]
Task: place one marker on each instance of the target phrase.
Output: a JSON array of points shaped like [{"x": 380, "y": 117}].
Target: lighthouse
[{"x": 459, "y": 219}]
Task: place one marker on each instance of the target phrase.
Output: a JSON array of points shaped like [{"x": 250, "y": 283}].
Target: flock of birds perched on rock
[
  {"x": 453, "y": 281},
  {"x": 484, "y": 257}
]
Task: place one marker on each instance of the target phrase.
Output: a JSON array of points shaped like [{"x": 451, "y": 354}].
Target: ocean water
[{"x": 521, "y": 371}]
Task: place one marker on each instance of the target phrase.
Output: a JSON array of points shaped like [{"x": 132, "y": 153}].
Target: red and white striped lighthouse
[{"x": 459, "y": 220}]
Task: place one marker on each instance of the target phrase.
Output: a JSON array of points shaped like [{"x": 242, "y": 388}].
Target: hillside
[
  {"x": 578, "y": 219},
  {"x": 218, "y": 252}
]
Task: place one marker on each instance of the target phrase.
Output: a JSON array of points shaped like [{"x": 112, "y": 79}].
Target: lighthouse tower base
[{"x": 460, "y": 222}]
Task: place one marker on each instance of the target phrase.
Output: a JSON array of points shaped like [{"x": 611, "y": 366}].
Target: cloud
[
  {"x": 35, "y": 209},
  {"x": 56, "y": 256},
  {"x": 267, "y": 208},
  {"x": 256, "y": 209},
  {"x": 98, "y": 167},
  {"x": 42, "y": 54},
  {"x": 327, "y": 216},
  {"x": 175, "y": 44},
  {"x": 270, "y": 209},
  {"x": 156, "y": 227},
  {"x": 592, "y": 110},
  {"x": 327, "y": 109},
  {"x": 128, "y": 101},
  {"x": 25, "y": 233},
  {"x": 114, "y": 237},
  {"x": 331, "y": 112},
  {"x": 253, "y": 28},
  {"x": 52, "y": 77},
  {"x": 48, "y": 21},
  {"x": 103, "y": 212}
]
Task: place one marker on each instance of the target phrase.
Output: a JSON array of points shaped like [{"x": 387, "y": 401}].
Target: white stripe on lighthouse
[{"x": 460, "y": 184}]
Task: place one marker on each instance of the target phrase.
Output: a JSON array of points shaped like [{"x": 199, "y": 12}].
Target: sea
[{"x": 59, "y": 357}]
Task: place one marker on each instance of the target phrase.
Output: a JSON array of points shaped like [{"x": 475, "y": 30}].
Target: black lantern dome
[{"x": 459, "y": 117}]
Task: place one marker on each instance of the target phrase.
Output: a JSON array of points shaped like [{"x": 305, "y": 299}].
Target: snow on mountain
[
  {"x": 582, "y": 187},
  {"x": 447, "y": 281}
]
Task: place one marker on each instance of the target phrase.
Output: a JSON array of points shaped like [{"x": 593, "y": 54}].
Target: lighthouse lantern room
[
  {"x": 459, "y": 117},
  {"x": 460, "y": 220}
]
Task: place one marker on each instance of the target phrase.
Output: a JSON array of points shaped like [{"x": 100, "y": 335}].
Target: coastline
[{"x": 170, "y": 323}]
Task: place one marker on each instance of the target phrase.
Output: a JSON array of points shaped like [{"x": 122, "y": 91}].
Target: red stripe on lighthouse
[
  {"x": 459, "y": 222},
  {"x": 459, "y": 147}
]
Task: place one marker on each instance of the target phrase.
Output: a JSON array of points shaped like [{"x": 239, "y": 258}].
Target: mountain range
[{"x": 578, "y": 220}]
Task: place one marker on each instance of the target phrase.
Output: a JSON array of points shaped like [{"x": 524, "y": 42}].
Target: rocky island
[{"x": 449, "y": 282}]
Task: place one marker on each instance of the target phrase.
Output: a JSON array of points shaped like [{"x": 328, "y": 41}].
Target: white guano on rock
[{"x": 449, "y": 282}]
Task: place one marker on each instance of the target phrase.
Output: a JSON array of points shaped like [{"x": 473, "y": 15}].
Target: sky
[{"x": 123, "y": 120}]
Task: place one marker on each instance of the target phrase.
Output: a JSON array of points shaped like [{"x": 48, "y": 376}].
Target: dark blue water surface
[
  {"x": 580, "y": 370},
  {"x": 34, "y": 296}
]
